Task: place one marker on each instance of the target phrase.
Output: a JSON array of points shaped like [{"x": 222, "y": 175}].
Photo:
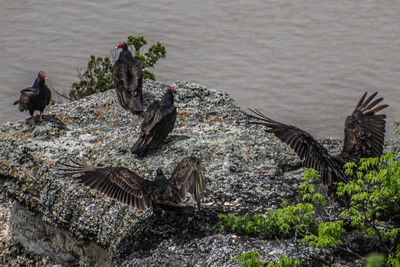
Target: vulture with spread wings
[
  {"x": 364, "y": 134},
  {"x": 133, "y": 190}
]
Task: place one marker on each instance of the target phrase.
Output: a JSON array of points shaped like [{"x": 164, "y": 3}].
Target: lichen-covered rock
[{"x": 247, "y": 172}]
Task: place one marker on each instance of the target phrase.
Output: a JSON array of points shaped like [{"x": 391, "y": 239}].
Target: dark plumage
[
  {"x": 131, "y": 189},
  {"x": 36, "y": 97},
  {"x": 364, "y": 135},
  {"x": 158, "y": 121},
  {"x": 128, "y": 79}
]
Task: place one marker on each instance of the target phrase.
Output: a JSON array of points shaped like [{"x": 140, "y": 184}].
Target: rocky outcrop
[{"x": 246, "y": 170}]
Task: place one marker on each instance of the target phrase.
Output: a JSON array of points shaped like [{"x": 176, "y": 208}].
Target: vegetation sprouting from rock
[
  {"x": 375, "y": 202},
  {"x": 289, "y": 221},
  {"x": 98, "y": 77},
  {"x": 373, "y": 205},
  {"x": 252, "y": 259}
]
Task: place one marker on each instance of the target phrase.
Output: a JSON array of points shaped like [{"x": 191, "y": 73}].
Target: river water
[{"x": 304, "y": 63}]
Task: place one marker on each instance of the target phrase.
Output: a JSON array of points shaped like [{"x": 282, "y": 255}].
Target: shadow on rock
[{"x": 180, "y": 224}]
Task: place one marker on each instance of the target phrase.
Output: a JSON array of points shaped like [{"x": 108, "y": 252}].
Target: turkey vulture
[
  {"x": 133, "y": 190},
  {"x": 128, "y": 79},
  {"x": 36, "y": 97},
  {"x": 364, "y": 134},
  {"x": 158, "y": 121}
]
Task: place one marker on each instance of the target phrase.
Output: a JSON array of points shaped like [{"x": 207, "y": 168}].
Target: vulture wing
[
  {"x": 36, "y": 97},
  {"x": 152, "y": 117},
  {"x": 187, "y": 177},
  {"x": 118, "y": 183},
  {"x": 307, "y": 148},
  {"x": 157, "y": 123},
  {"x": 364, "y": 130},
  {"x": 25, "y": 98}
]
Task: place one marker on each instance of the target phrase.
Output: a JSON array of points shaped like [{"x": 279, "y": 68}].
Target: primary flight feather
[
  {"x": 364, "y": 134},
  {"x": 133, "y": 190}
]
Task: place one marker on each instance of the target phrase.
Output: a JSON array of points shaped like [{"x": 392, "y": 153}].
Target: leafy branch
[{"x": 97, "y": 77}]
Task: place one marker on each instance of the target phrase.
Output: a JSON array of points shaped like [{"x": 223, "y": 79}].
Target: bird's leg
[
  {"x": 40, "y": 115},
  {"x": 157, "y": 211},
  {"x": 32, "y": 118}
]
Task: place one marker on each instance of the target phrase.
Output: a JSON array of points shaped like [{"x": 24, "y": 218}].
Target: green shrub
[
  {"x": 373, "y": 207},
  {"x": 252, "y": 259},
  {"x": 249, "y": 259},
  {"x": 96, "y": 78},
  {"x": 307, "y": 189},
  {"x": 375, "y": 260},
  {"x": 289, "y": 221},
  {"x": 98, "y": 75},
  {"x": 329, "y": 235},
  {"x": 374, "y": 200},
  {"x": 285, "y": 262},
  {"x": 148, "y": 59}
]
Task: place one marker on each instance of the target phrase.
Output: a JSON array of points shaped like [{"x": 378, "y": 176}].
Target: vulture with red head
[
  {"x": 158, "y": 121},
  {"x": 138, "y": 193},
  {"x": 364, "y": 134},
  {"x": 128, "y": 79},
  {"x": 36, "y": 97}
]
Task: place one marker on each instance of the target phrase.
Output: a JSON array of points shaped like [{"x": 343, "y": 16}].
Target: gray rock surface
[{"x": 247, "y": 172}]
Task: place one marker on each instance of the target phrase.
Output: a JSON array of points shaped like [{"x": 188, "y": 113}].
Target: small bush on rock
[
  {"x": 373, "y": 207},
  {"x": 375, "y": 202},
  {"x": 289, "y": 221},
  {"x": 252, "y": 259},
  {"x": 98, "y": 75},
  {"x": 329, "y": 235},
  {"x": 249, "y": 259}
]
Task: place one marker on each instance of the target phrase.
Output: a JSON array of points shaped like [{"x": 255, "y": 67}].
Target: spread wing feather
[
  {"x": 364, "y": 131},
  {"x": 313, "y": 154},
  {"x": 187, "y": 177},
  {"x": 118, "y": 183}
]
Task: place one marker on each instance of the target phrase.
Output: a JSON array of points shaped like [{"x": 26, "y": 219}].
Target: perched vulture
[
  {"x": 128, "y": 78},
  {"x": 364, "y": 134},
  {"x": 158, "y": 121},
  {"x": 133, "y": 190},
  {"x": 36, "y": 97}
]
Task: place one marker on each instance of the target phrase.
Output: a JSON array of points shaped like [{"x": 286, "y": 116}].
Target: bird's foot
[{"x": 31, "y": 122}]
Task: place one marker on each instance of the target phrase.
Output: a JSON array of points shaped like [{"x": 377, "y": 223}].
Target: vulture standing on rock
[
  {"x": 128, "y": 79},
  {"x": 36, "y": 97},
  {"x": 158, "y": 121},
  {"x": 131, "y": 189},
  {"x": 364, "y": 134}
]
